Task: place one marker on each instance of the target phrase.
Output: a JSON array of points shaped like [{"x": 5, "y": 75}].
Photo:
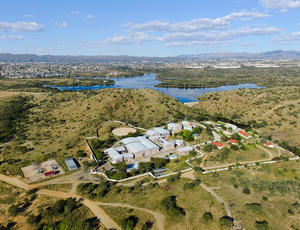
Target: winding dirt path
[
  {"x": 210, "y": 191},
  {"x": 159, "y": 218},
  {"x": 107, "y": 221}
]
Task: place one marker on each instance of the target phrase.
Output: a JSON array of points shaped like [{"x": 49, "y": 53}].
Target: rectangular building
[
  {"x": 71, "y": 164},
  {"x": 175, "y": 128},
  {"x": 114, "y": 155}
]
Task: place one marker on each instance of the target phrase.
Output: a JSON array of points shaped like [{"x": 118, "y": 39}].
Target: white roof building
[
  {"x": 184, "y": 150},
  {"x": 138, "y": 149},
  {"x": 152, "y": 132},
  {"x": 128, "y": 140},
  {"x": 149, "y": 144},
  {"x": 162, "y": 131},
  {"x": 114, "y": 155},
  {"x": 175, "y": 127},
  {"x": 233, "y": 127}
]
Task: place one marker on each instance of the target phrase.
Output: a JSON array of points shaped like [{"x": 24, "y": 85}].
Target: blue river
[{"x": 149, "y": 81}]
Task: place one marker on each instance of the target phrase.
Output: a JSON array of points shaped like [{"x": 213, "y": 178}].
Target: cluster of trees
[
  {"x": 12, "y": 112},
  {"x": 254, "y": 207},
  {"x": 129, "y": 223},
  {"x": 192, "y": 184},
  {"x": 291, "y": 148},
  {"x": 173, "y": 178},
  {"x": 120, "y": 169},
  {"x": 95, "y": 190},
  {"x": 169, "y": 205},
  {"x": 63, "y": 214},
  {"x": 213, "y": 77}
]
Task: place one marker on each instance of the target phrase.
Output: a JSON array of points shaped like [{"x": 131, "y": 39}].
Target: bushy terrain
[
  {"x": 58, "y": 122},
  {"x": 212, "y": 77},
  {"x": 274, "y": 111}
]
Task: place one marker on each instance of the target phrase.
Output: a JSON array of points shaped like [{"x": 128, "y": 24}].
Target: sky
[{"x": 148, "y": 27}]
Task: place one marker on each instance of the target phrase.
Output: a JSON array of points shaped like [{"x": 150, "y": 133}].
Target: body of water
[{"x": 149, "y": 81}]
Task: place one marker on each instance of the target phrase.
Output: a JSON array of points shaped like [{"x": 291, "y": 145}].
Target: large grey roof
[
  {"x": 136, "y": 147},
  {"x": 147, "y": 143},
  {"x": 129, "y": 140},
  {"x": 71, "y": 164},
  {"x": 161, "y": 130}
]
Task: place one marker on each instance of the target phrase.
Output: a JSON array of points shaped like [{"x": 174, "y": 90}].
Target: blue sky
[{"x": 148, "y": 28}]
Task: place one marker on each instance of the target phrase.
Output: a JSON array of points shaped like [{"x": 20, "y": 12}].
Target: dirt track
[{"x": 98, "y": 212}]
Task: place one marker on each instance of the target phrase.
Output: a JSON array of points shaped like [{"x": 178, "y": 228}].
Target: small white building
[
  {"x": 234, "y": 128},
  {"x": 179, "y": 143},
  {"x": 114, "y": 155},
  {"x": 174, "y": 127},
  {"x": 187, "y": 125},
  {"x": 185, "y": 150},
  {"x": 164, "y": 133},
  {"x": 167, "y": 145},
  {"x": 128, "y": 156},
  {"x": 269, "y": 145}
]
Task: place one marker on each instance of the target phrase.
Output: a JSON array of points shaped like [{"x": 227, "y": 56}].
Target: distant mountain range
[{"x": 272, "y": 55}]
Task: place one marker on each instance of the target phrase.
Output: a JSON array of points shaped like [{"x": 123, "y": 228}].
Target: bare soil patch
[{"x": 123, "y": 131}]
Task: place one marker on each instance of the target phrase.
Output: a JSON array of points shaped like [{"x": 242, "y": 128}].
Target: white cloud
[
  {"x": 138, "y": 37},
  {"x": 90, "y": 16},
  {"x": 295, "y": 36},
  {"x": 75, "y": 12},
  {"x": 196, "y": 24},
  {"x": 63, "y": 24},
  {"x": 21, "y": 26},
  {"x": 197, "y": 38},
  {"x": 28, "y": 15},
  {"x": 218, "y": 36},
  {"x": 281, "y": 4},
  {"x": 11, "y": 37}
]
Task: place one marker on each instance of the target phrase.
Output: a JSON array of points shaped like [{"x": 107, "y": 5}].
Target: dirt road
[
  {"x": 159, "y": 218},
  {"x": 98, "y": 212}
]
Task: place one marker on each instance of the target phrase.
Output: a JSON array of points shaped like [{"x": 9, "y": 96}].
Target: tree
[
  {"x": 188, "y": 135},
  {"x": 13, "y": 210},
  {"x": 226, "y": 222},
  {"x": 207, "y": 217},
  {"x": 236, "y": 136},
  {"x": 170, "y": 207},
  {"x": 247, "y": 191},
  {"x": 173, "y": 178},
  {"x": 129, "y": 223},
  {"x": 81, "y": 153},
  {"x": 147, "y": 225},
  {"x": 262, "y": 225}
]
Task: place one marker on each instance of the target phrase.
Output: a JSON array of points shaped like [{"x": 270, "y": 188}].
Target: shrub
[
  {"x": 170, "y": 207},
  {"x": 254, "y": 207},
  {"x": 173, "y": 178},
  {"x": 247, "y": 191},
  {"x": 262, "y": 225},
  {"x": 226, "y": 222},
  {"x": 207, "y": 217}
]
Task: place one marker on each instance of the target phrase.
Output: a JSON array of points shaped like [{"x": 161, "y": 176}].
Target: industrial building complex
[{"x": 155, "y": 141}]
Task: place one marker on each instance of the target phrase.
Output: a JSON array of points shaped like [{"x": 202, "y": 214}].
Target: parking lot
[{"x": 37, "y": 171}]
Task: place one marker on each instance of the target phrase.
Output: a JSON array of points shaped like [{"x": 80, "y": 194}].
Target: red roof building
[
  {"x": 49, "y": 173},
  {"x": 218, "y": 144},
  {"x": 233, "y": 142},
  {"x": 269, "y": 145},
  {"x": 243, "y": 134}
]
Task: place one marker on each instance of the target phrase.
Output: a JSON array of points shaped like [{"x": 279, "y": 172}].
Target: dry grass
[
  {"x": 279, "y": 107},
  {"x": 59, "y": 122}
]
